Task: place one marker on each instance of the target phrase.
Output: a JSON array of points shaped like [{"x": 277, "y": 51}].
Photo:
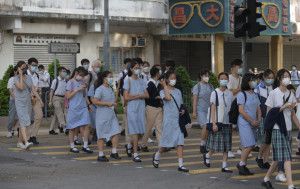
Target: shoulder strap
[
  {"x": 27, "y": 86},
  {"x": 217, "y": 98},
  {"x": 72, "y": 85},
  {"x": 175, "y": 102},
  {"x": 285, "y": 101},
  {"x": 90, "y": 79},
  {"x": 56, "y": 85},
  {"x": 245, "y": 95},
  {"x": 199, "y": 87}
]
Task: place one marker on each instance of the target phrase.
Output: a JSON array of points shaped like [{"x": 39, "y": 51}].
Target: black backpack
[
  {"x": 234, "y": 110},
  {"x": 121, "y": 90}
]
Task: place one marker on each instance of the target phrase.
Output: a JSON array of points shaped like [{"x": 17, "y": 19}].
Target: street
[{"x": 51, "y": 165}]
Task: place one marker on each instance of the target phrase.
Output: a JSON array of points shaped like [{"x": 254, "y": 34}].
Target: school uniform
[
  {"x": 203, "y": 101},
  {"x": 59, "y": 91},
  {"x": 263, "y": 92},
  {"x": 146, "y": 77},
  {"x": 45, "y": 87},
  {"x": 107, "y": 124},
  {"x": 246, "y": 130},
  {"x": 91, "y": 93},
  {"x": 135, "y": 108},
  {"x": 221, "y": 141},
  {"x": 281, "y": 144},
  {"x": 12, "y": 112},
  {"x": 171, "y": 133},
  {"x": 77, "y": 113}
]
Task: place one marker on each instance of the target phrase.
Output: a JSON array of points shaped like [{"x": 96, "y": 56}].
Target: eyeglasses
[{"x": 179, "y": 20}]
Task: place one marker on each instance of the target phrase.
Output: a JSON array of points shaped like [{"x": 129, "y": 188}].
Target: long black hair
[
  {"x": 132, "y": 64},
  {"x": 12, "y": 72},
  {"x": 279, "y": 77},
  {"x": 100, "y": 80},
  {"x": 80, "y": 69}
]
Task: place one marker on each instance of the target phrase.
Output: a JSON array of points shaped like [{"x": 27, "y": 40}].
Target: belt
[{"x": 60, "y": 96}]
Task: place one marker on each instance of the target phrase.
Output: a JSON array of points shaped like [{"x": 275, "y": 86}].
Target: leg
[
  {"x": 149, "y": 124},
  {"x": 38, "y": 115},
  {"x": 135, "y": 143},
  {"x": 245, "y": 153},
  {"x": 58, "y": 103},
  {"x": 158, "y": 124},
  {"x": 53, "y": 122},
  {"x": 11, "y": 116},
  {"x": 180, "y": 159},
  {"x": 23, "y": 135},
  {"x": 288, "y": 172},
  {"x": 204, "y": 134},
  {"x": 100, "y": 144},
  {"x": 272, "y": 169},
  {"x": 71, "y": 138},
  {"x": 115, "y": 141}
]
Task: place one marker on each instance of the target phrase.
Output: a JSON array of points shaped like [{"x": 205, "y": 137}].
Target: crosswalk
[{"x": 192, "y": 158}]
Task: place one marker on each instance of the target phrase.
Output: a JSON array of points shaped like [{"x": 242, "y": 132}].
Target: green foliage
[
  {"x": 4, "y": 93},
  {"x": 51, "y": 68},
  {"x": 213, "y": 79},
  {"x": 185, "y": 79}
]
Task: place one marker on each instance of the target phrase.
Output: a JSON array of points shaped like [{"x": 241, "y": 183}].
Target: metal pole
[
  {"x": 55, "y": 74},
  {"x": 213, "y": 63},
  {"x": 73, "y": 62},
  {"x": 244, "y": 55},
  {"x": 106, "y": 43}
]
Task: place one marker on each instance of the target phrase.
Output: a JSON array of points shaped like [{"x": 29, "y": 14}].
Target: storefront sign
[
  {"x": 64, "y": 48},
  {"x": 42, "y": 39},
  {"x": 217, "y": 16}
]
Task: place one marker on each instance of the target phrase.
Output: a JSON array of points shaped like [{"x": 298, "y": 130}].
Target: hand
[
  {"x": 90, "y": 108},
  {"x": 182, "y": 112},
  {"x": 42, "y": 79},
  {"x": 114, "y": 104},
  {"x": 195, "y": 115},
  {"x": 81, "y": 88},
  {"x": 42, "y": 104},
  {"x": 215, "y": 127},
  {"x": 50, "y": 104},
  {"x": 158, "y": 98},
  {"x": 163, "y": 83},
  {"x": 20, "y": 71}
]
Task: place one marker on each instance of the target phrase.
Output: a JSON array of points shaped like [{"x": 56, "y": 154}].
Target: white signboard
[{"x": 64, "y": 48}]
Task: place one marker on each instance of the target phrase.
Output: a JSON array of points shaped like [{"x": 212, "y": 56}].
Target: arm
[
  {"x": 245, "y": 115},
  {"x": 11, "y": 92},
  {"x": 129, "y": 97},
  {"x": 70, "y": 94},
  {"x": 258, "y": 114},
  {"x": 213, "y": 117},
  {"x": 51, "y": 96},
  {"x": 235, "y": 91},
  {"x": 20, "y": 84},
  {"x": 36, "y": 94},
  {"x": 167, "y": 94},
  {"x": 97, "y": 102},
  {"x": 195, "y": 102},
  {"x": 145, "y": 95}
]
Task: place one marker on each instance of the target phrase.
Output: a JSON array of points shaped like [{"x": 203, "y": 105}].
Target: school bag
[
  {"x": 56, "y": 85},
  {"x": 72, "y": 89},
  {"x": 234, "y": 110},
  {"x": 121, "y": 90},
  {"x": 199, "y": 89}
]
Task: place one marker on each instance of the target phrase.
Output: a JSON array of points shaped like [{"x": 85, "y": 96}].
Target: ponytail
[{"x": 132, "y": 64}]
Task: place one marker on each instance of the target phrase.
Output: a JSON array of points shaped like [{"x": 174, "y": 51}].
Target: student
[
  {"x": 146, "y": 72},
  {"x": 263, "y": 91},
  {"x": 282, "y": 98},
  {"x": 12, "y": 113},
  {"x": 135, "y": 92},
  {"x": 248, "y": 120},
  {"x": 295, "y": 75},
  {"x": 44, "y": 85},
  {"x": 107, "y": 124},
  {"x": 57, "y": 98},
  {"x": 220, "y": 141},
  {"x": 24, "y": 89},
  {"x": 234, "y": 85},
  {"x": 171, "y": 133},
  {"x": 154, "y": 110},
  {"x": 201, "y": 96},
  {"x": 78, "y": 115}
]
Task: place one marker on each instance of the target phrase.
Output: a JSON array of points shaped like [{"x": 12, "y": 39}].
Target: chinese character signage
[{"x": 217, "y": 16}]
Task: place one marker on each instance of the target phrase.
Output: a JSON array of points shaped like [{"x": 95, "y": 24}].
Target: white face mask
[
  {"x": 160, "y": 72},
  {"x": 146, "y": 69},
  {"x": 173, "y": 82},
  {"x": 286, "y": 81},
  {"x": 79, "y": 78},
  {"x": 206, "y": 79}
]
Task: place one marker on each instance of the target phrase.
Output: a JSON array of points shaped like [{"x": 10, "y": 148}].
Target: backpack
[
  {"x": 90, "y": 80},
  {"x": 199, "y": 89},
  {"x": 56, "y": 85},
  {"x": 234, "y": 110},
  {"x": 121, "y": 90}
]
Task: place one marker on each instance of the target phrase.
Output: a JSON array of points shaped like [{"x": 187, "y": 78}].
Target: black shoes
[
  {"x": 76, "y": 142},
  {"x": 204, "y": 158},
  {"x": 128, "y": 151},
  {"x": 145, "y": 149},
  {"x": 52, "y": 132},
  {"x": 255, "y": 149},
  {"x": 226, "y": 170},
  {"x": 203, "y": 150},
  {"x": 297, "y": 153},
  {"x": 61, "y": 129},
  {"x": 109, "y": 143},
  {"x": 154, "y": 133},
  {"x": 183, "y": 169},
  {"x": 115, "y": 156},
  {"x": 123, "y": 132},
  {"x": 243, "y": 170},
  {"x": 155, "y": 165},
  {"x": 137, "y": 159},
  {"x": 102, "y": 158},
  {"x": 74, "y": 150},
  {"x": 67, "y": 132},
  {"x": 87, "y": 150},
  {"x": 33, "y": 140},
  {"x": 260, "y": 163},
  {"x": 267, "y": 165},
  {"x": 267, "y": 185}
]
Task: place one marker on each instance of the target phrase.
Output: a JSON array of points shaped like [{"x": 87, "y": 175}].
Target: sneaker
[
  {"x": 52, "y": 132},
  {"x": 239, "y": 151},
  {"x": 28, "y": 145},
  {"x": 34, "y": 141},
  {"x": 9, "y": 135},
  {"x": 267, "y": 185},
  {"x": 150, "y": 140},
  {"x": 231, "y": 155},
  {"x": 21, "y": 145},
  {"x": 281, "y": 178}
]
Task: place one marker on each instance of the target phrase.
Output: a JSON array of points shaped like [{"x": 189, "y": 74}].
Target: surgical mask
[
  {"x": 254, "y": 84},
  {"x": 67, "y": 77},
  {"x": 160, "y": 72},
  {"x": 97, "y": 70},
  {"x": 110, "y": 81},
  {"x": 270, "y": 81},
  {"x": 294, "y": 68},
  {"x": 64, "y": 74},
  {"x": 173, "y": 82},
  {"x": 137, "y": 72},
  {"x": 250, "y": 71},
  {"x": 86, "y": 66},
  {"x": 224, "y": 82},
  {"x": 286, "y": 81},
  {"x": 146, "y": 69},
  {"x": 33, "y": 68},
  {"x": 128, "y": 67},
  {"x": 240, "y": 71},
  {"x": 206, "y": 79},
  {"x": 79, "y": 78},
  {"x": 24, "y": 71}
]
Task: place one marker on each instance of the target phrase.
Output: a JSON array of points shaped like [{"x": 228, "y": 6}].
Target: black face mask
[{"x": 24, "y": 71}]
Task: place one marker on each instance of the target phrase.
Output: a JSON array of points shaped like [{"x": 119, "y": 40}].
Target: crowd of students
[{"x": 84, "y": 103}]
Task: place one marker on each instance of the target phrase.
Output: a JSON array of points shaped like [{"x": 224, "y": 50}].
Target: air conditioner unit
[
  {"x": 294, "y": 27},
  {"x": 138, "y": 42}
]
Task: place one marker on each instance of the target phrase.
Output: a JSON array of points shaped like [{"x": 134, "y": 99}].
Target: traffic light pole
[
  {"x": 106, "y": 42},
  {"x": 244, "y": 55}
]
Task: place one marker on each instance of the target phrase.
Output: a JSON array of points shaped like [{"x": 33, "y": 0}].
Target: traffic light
[
  {"x": 240, "y": 21},
  {"x": 254, "y": 28}
]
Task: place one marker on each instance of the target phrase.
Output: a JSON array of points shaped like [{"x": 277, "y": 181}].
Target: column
[
  {"x": 276, "y": 53},
  {"x": 218, "y": 53}
]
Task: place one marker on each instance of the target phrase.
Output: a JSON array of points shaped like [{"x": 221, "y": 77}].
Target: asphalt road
[{"x": 51, "y": 165}]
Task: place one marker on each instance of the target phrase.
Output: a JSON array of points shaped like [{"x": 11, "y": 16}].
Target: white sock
[
  {"x": 135, "y": 155},
  {"x": 207, "y": 156},
  {"x": 203, "y": 143},
  {"x": 291, "y": 187},
  {"x": 83, "y": 139},
  {"x": 85, "y": 144},
  {"x": 114, "y": 150},
  {"x": 157, "y": 156},
  {"x": 180, "y": 162},
  {"x": 75, "y": 137},
  {"x": 224, "y": 164},
  {"x": 129, "y": 145},
  {"x": 72, "y": 145},
  {"x": 101, "y": 154},
  {"x": 242, "y": 163},
  {"x": 266, "y": 179}
]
